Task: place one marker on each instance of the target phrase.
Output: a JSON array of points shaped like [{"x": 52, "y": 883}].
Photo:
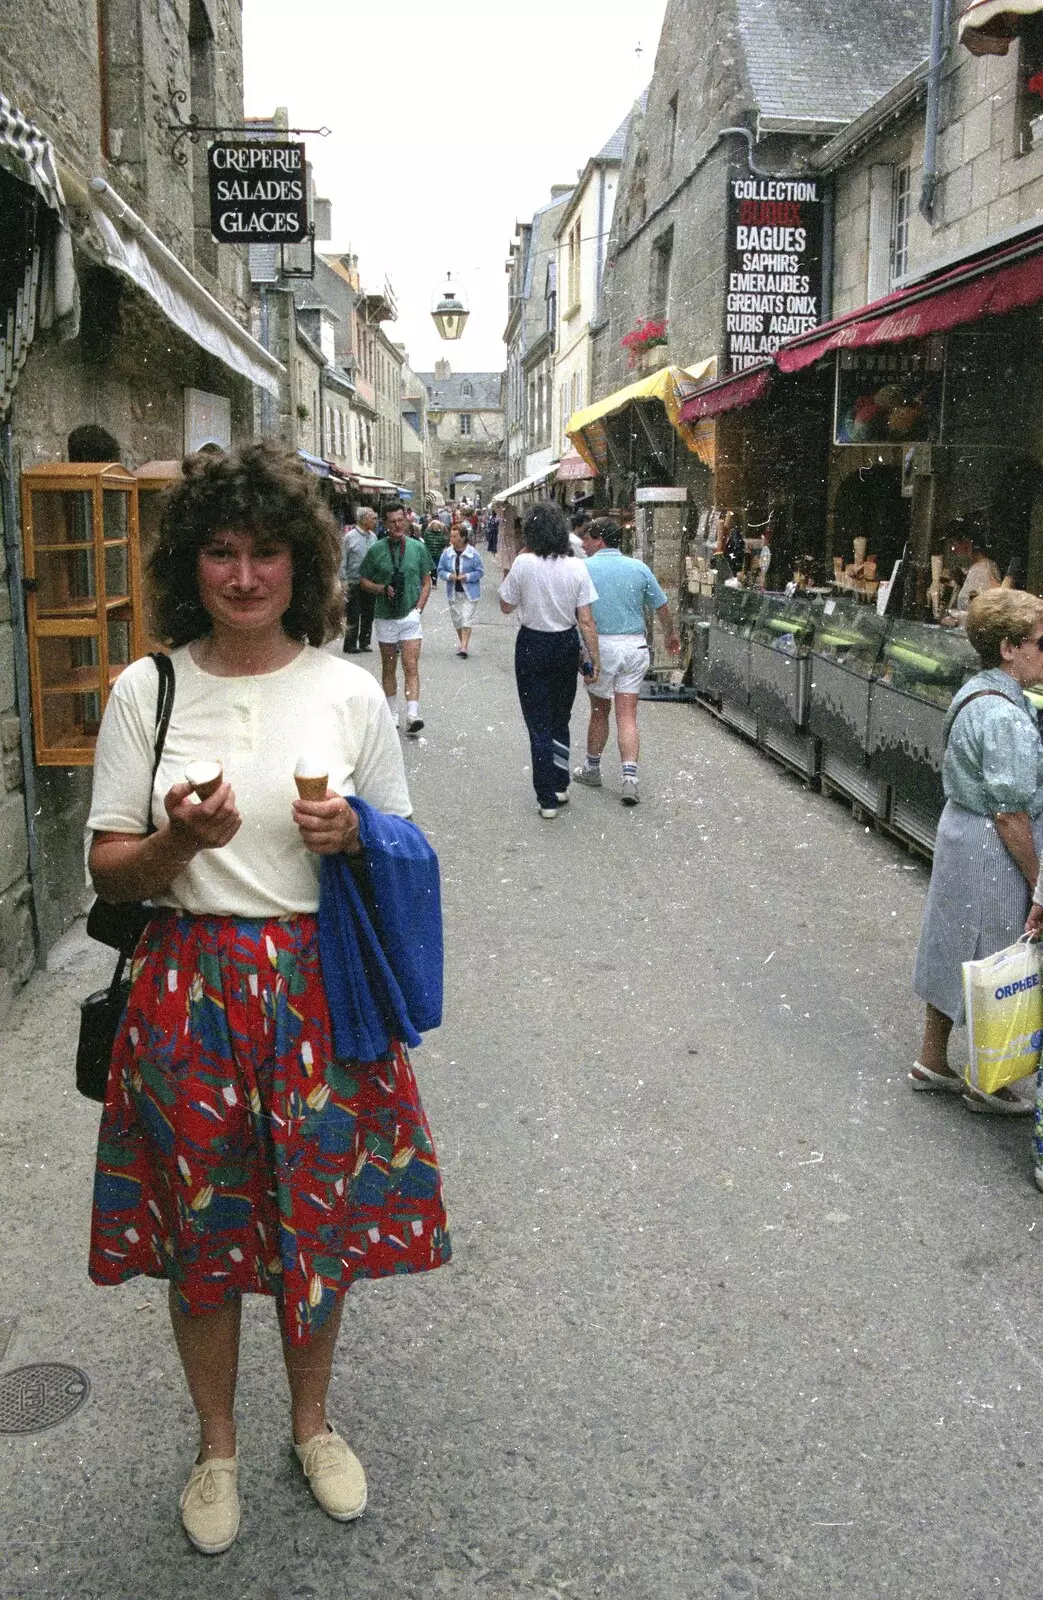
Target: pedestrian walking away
[
  {"x": 397, "y": 570},
  {"x": 492, "y": 532},
  {"x": 551, "y": 591},
  {"x": 359, "y": 537},
  {"x": 435, "y": 539},
  {"x": 237, "y": 1154},
  {"x": 461, "y": 567},
  {"x": 986, "y": 858},
  {"x": 627, "y": 589}
]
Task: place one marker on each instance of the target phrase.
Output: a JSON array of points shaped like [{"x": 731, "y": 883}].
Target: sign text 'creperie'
[
  {"x": 774, "y": 242},
  {"x": 258, "y": 192}
]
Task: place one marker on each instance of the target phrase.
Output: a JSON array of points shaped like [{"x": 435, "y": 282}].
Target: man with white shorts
[
  {"x": 398, "y": 571},
  {"x": 626, "y": 590},
  {"x": 461, "y": 567}
]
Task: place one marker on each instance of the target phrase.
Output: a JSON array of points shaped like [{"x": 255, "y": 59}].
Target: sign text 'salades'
[
  {"x": 774, "y": 265},
  {"x": 258, "y": 193}
]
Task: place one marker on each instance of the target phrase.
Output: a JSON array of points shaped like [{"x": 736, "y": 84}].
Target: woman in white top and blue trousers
[{"x": 552, "y": 593}]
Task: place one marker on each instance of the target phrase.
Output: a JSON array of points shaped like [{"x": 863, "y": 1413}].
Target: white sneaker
[
  {"x": 334, "y": 1473},
  {"x": 590, "y": 776},
  {"x": 628, "y": 792},
  {"x": 210, "y": 1505},
  {"x": 548, "y": 812}
]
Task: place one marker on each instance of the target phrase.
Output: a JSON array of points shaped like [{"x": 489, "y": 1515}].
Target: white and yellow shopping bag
[{"x": 1003, "y": 999}]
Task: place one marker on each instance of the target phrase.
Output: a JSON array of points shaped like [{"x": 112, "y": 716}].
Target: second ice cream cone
[{"x": 312, "y": 788}]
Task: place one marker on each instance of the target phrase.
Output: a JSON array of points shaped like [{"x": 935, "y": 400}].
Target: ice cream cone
[
  {"x": 205, "y": 777},
  {"x": 310, "y": 788}
]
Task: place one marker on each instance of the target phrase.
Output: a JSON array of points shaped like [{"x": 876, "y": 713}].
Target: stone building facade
[
  {"x": 466, "y": 430},
  {"x": 530, "y": 339},
  {"x": 154, "y": 333},
  {"x": 581, "y": 238},
  {"x": 788, "y": 73}
]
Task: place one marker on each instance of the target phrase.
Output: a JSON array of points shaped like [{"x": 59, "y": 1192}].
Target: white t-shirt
[
  {"x": 257, "y": 727},
  {"x": 546, "y": 591}
]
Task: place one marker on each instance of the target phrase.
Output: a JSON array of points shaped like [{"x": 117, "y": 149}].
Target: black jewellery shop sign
[
  {"x": 774, "y": 245},
  {"x": 258, "y": 192}
]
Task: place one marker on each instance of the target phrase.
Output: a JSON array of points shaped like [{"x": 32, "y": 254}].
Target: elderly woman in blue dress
[{"x": 986, "y": 861}]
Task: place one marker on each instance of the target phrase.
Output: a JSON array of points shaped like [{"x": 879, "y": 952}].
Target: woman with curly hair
[{"x": 237, "y": 1154}]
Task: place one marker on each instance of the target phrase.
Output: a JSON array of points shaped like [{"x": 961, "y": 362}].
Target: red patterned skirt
[{"x": 236, "y": 1155}]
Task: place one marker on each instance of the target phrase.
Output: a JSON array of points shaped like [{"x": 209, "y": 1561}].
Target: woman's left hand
[{"x": 328, "y": 827}]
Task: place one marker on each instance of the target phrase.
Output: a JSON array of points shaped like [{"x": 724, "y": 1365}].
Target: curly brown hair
[{"x": 259, "y": 489}]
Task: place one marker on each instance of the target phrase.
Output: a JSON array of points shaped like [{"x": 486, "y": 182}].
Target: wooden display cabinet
[
  {"x": 154, "y": 479},
  {"x": 83, "y": 589}
]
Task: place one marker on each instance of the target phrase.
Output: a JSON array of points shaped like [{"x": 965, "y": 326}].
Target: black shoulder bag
[{"x": 120, "y": 927}]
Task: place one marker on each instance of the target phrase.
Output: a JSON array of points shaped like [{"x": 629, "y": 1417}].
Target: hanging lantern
[{"x": 451, "y": 313}]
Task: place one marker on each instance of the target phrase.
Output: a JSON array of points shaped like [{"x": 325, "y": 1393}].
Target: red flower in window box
[
  {"x": 1035, "y": 84},
  {"x": 643, "y": 336}
]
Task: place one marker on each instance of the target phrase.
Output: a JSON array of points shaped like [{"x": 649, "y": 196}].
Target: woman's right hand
[
  {"x": 1034, "y": 921},
  {"x": 201, "y": 824}
]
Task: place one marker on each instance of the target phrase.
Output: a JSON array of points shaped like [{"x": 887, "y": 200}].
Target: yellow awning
[{"x": 670, "y": 385}]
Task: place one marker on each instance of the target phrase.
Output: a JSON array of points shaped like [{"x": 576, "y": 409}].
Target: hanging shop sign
[
  {"x": 774, "y": 264},
  {"x": 258, "y": 192},
  {"x": 889, "y": 396}
]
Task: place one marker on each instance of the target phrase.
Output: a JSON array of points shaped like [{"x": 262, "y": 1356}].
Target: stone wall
[
  {"x": 988, "y": 183},
  {"x": 699, "y": 62},
  {"x": 128, "y": 368}
]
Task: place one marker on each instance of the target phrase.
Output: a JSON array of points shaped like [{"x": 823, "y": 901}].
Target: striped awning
[
  {"x": 28, "y": 155},
  {"x": 988, "y": 26}
]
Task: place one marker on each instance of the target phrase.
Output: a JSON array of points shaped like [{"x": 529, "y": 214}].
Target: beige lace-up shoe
[
  {"x": 334, "y": 1474},
  {"x": 210, "y": 1505}
]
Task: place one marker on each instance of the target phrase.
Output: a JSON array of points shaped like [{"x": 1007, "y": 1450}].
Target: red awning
[
  {"x": 728, "y": 395},
  {"x": 988, "y": 26},
  {"x": 1006, "y": 280}
]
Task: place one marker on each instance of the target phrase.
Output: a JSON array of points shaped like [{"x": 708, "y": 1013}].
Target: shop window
[
  {"x": 83, "y": 599},
  {"x": 465, "y": 425},
  {"x": 1029, "y": 104},
  {"x": 902, "y": 212},
  {"x": 573, "y": 259},
  {"x": 662, "y": 260}
]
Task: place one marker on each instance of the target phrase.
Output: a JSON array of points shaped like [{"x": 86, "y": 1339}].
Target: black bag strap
[
  {"x": 979, "y": 694},
  {"x": 164, "y": 707}
]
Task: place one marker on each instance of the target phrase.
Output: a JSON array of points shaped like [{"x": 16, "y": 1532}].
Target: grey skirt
[{"x": 977, "y": 904}]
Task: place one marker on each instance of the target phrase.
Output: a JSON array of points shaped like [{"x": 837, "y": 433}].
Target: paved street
[{"x": 731, "y": 1312}]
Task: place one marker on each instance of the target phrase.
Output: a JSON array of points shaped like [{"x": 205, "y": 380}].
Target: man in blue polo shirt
[{"x": 626, "y": 590}]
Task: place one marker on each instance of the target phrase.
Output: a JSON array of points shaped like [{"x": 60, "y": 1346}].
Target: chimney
[
  {"x": 442, "y": 371},
  {"x": 558, "y": 191}
]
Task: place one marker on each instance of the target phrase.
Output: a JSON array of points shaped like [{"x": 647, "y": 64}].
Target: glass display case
[
  {"x": 728, "y": 654},
  {"x": 780, "y": 645},
  {"x": 845, "y": 650},
  {"x": 920, "y": 668},
  {"x": 83, "y": 591}
]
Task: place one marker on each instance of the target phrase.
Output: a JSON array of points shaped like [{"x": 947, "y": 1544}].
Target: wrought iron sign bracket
[{"x": 193, "y": 130}]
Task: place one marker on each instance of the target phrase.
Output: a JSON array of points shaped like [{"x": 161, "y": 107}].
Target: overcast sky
[{"x": 451, "y": 119}]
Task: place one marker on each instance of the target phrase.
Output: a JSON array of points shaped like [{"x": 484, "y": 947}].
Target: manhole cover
[{"x": 39, "y": 1396}]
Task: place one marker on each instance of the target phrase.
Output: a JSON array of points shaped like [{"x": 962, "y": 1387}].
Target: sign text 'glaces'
[{"x": 258, "y": 192}]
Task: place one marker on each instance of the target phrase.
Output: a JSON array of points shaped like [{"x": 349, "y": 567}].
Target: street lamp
[{"x": 451, "y": 312}]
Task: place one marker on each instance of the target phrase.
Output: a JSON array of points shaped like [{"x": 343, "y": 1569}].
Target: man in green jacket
[{"x": 398, "y": 571}]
